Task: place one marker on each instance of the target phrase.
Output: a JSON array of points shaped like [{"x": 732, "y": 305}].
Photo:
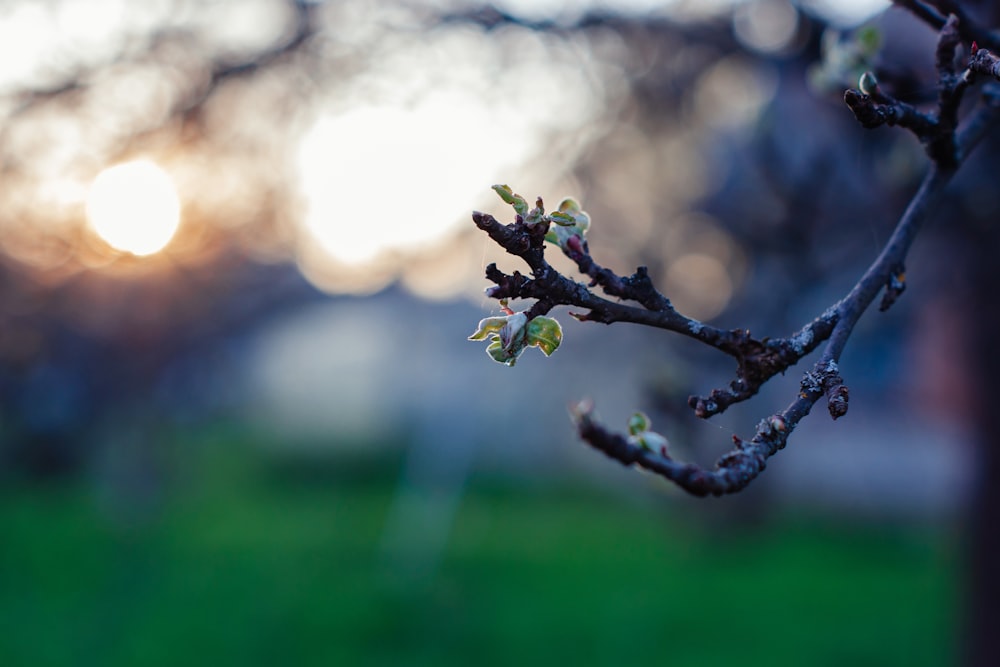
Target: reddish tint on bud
[
  {"x": 573, "y": 243},
  {"x": 975, "y": 47}
]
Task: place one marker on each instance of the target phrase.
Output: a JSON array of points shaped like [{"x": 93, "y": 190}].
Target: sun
[{"x": 134, "y": 207}]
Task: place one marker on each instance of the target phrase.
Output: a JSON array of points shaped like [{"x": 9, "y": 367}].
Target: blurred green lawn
[{"x": 246, "y": 564}]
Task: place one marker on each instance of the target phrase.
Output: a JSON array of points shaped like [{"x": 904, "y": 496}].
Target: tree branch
[
  {"x": 748, "y": 458},
  {"x": 873, "y": 106},
  {"x": 758, "y": 360},
  {"x": 935, "y": 14}
]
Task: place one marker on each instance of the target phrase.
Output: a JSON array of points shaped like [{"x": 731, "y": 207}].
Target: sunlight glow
[
  {"x": 391, "y": 167},
  {"x": 134, "y": 207},
  {"x": 383, "y": 179}
]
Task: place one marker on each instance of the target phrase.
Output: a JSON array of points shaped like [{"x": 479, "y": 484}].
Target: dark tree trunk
[
  {"x": 981, "y": 639},
  {"x": 982, "y": 624}
]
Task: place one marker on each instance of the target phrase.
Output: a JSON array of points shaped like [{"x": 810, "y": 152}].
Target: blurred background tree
[{"x": 313, "y": 288}]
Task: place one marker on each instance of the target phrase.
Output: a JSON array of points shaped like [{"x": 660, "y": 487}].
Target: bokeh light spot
[
  {"x": 768, "y": 26},
  {"x": 134, "y": 207},
  {"x": 699, "y": 285},
  {"x": 384, "y": 179},
  {"x": 733, "y": 91}
]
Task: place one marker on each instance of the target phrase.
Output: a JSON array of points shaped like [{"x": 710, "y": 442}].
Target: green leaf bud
[
  {"x": 569, "y": 206},
  {"x": 505, "y": 193},
  {"x": 640, "y": 435},
  {"x": 638, "y": 423},
  {"x": 545, "y": 334},
  {"x": 487, "y": 326},
  {"x": 868, "y": 84},
  {"x": 535, "y": 216},
  {"x": 510, "y": 335},
  {"x": 519, "y": 203},
  {"x": 570, "y": 220},
  {"x": 651, "y": 441},
  {"x": 498, "y": 354}
]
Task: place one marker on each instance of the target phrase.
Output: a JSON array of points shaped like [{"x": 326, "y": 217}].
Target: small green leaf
[
  {"x": 638, "y": 423},
  {"x": 499, "y": 354},
  {"x": 545, "y": 334},
  {"x": 487, "y": 326},
  {"x": 505, "y": 193},
  {"x": 569, "y": 206},
  {"x": 564, "y": 219},
  {"x": 519, "y": 203}
]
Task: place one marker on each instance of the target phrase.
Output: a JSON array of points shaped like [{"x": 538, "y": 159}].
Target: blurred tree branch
[
  {"x": 192, "y": 92},
  {"x": 935, "y": 13}
]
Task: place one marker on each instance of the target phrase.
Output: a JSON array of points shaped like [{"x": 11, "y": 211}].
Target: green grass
[{"x": 243, "y": 565}]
